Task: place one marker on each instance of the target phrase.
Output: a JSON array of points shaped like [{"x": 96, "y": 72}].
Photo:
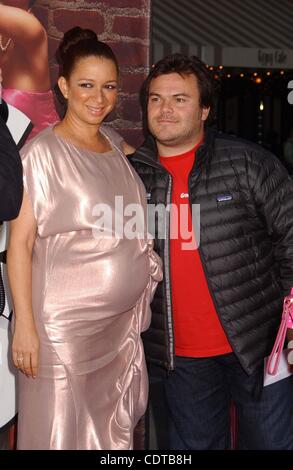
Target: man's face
[{"x": 175, "y": 117}]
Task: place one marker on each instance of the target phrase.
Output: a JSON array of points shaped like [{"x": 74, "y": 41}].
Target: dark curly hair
[{"x": 183, "y": 65}]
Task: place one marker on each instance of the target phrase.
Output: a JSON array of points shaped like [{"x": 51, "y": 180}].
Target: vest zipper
[{"x": 166, "y": 266}]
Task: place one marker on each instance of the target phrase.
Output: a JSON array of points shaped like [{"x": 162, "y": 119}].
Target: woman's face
[{"x": 91, "y": 90}]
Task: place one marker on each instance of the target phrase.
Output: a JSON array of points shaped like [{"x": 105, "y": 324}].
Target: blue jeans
[{"x": 199, "y": 393}]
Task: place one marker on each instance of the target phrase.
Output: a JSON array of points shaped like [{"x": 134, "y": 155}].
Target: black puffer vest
[{"x": 246, "y": 242}]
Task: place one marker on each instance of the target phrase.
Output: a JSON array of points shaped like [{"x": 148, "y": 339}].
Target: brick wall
[{"x": 125, "y": 26}]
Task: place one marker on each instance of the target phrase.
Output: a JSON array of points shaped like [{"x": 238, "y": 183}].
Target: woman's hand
[
  {"x": 25, "y": 348},
  {"x": 25, "y": 344}
]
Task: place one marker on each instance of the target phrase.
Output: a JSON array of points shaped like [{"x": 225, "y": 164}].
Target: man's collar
[{"x": 148, "y": 153}]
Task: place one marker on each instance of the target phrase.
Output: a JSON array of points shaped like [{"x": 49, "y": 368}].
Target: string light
[
  {"x": 220, "y": 70},
  {"x": 263, "y": 82},
  {"x": 259, "y": 76}
]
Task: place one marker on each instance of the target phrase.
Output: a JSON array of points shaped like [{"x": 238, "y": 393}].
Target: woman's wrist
[{"x": 24, "y": 318}]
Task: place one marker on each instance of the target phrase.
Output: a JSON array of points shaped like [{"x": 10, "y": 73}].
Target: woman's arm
[
  {"x": 25, "y": 345},
  {"x": 21, "y": 26}
]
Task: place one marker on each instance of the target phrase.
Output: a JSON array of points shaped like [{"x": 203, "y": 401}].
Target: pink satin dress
[
  {"x": 91, "y": 297},
  {"x": 38, "y": 107}
]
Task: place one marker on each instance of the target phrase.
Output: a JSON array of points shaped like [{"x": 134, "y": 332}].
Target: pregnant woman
[{"x": 81, "y": 295}]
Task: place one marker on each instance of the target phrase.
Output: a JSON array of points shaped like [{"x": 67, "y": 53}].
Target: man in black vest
[{"x": 227, "y": 247}]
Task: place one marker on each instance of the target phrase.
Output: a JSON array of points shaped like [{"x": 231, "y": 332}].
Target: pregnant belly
[{"x": 89, "y": 279}]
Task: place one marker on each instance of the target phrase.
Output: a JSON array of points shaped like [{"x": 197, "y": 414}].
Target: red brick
[
  {"x": 113, "y": 115},
  {"x": 54, "y": 74},
  {"x": 132, "y": 54},
  {"x": 131, "y": 82},
  {"x": 66, "y": 19},
  {"x": 137, "y": 27},
  {"x": 42, "y": 14},
  {"x": 128, "y": 3},
  {"x": 53, "y": 43},
  {"x": 132, "y": 136},
  {"x": 130, "y": 109}
]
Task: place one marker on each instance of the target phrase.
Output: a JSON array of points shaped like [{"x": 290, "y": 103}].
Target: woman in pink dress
[
  {"x": 81, "y": 290},
  {"x": 24, "y": 63}
]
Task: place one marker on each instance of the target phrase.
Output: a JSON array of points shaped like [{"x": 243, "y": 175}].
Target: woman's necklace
[{"x": 4, "y": 47}]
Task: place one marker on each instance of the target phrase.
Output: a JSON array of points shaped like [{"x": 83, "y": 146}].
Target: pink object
[
  {"x": 91, "y": 300},
  {"x": 38, "y": 107},
  {"x": 286, "y": 322}
]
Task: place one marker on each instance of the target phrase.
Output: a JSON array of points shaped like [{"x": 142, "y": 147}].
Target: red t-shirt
[{"x": 197, "y": 329}]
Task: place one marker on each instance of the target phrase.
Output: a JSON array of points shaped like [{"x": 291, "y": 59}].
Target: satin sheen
[{"x": 90, "y": 301}]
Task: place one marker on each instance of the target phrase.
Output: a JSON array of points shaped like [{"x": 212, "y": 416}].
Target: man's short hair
[{"x": 183, "y": 65}]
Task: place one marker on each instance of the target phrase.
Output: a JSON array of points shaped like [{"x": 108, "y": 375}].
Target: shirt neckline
[
  {"x": 82, "y": 149},
  {"x": 186, "y": 154}
]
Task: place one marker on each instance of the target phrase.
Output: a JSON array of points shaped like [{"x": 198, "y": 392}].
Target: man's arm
[
  {"x": 272, "y": 192},
  {"x": 273, "y": 195},
  {"x": 11, "y": 186}
]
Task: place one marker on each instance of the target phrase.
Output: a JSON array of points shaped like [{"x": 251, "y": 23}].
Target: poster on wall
[
  {"x": 27, "y": 106},
  {"x": 24, "y": 64}
]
